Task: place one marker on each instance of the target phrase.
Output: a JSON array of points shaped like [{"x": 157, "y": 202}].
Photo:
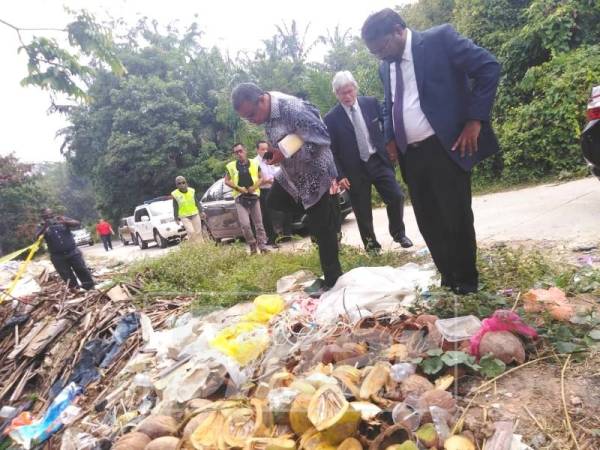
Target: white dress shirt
[
  {"x": 267, "y": 171},
  {"x": 361, "y": 123},
  {"x": 416, "y": 125}
]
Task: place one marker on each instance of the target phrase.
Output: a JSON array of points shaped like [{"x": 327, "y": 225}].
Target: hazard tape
[{"x": 32, "y": 249}]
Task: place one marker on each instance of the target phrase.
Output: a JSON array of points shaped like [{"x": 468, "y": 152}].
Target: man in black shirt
[
  {"x": 244, "y": 177},
  {"x": 64, "y": 254}
]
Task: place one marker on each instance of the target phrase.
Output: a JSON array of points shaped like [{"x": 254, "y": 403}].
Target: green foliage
[
  {"x": 62, "y": 71},
  {"x": 437, "y": 360},
  {"x": 427, "y": 13},
  {"x": 540, "y": 134},
  {"x": 491, "y": 367},
  {"x": 21, "y": 197},
  {"x": 225, "y": 275}
]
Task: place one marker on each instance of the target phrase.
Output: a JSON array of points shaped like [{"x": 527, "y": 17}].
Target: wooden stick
[{"x": 564, "y": 401}]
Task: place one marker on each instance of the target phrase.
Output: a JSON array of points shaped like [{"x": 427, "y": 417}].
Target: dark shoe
[
  {"x": 253, "y": 249},
  {"x": 465, "y": 288},
  {"x": 319, "y": 292},
  {"x": 265, "y": 250},
  {"x": 404, "y": 242},
  {"x": 315, "y": 286}
]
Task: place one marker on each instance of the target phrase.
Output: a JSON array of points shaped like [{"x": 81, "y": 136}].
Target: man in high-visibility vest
[
  {"x": 244, "y": 177},
  {"x": 185, "y": 209}
]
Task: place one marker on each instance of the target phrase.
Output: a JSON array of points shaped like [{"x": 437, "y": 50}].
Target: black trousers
[
  {"x": 322, "y": 226},
  {"x": 107, "y": 241},
  {"x": 440, "y": 192},
  {"x": 267, "y": 215},
  {"x": 380, "y": 174},
  {"x": 71, "y": 266}
]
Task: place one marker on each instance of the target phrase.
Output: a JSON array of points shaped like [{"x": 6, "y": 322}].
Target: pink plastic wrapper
[{"x": 501, "y": 320}]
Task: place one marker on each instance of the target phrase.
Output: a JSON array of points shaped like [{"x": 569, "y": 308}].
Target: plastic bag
[
  {"x": 401, "y": 371},
  {"x": 265, "y": 307},
  {"x": 243, "y": 342},
  {"x": 501, "y": 320},
  {"x": 74, "y": 439},
  {"x": 502, "y": 438},
  {"x": 552, "y": 300},
  {"x": 36, "y": 433}
]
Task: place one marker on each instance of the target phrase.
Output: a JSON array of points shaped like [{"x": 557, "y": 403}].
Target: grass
[
  {"x": 218, "y": 276},
  {"x": 502, "y": 268},
  {"x": 224, "y": 275}
]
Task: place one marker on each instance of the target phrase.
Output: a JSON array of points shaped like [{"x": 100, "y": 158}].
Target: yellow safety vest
[
  {"x": 234, "y": 174},
  {"x": 186, "y": 202}
]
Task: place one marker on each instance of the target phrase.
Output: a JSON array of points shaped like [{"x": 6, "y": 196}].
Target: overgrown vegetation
[{"x": 225, "y": 275}]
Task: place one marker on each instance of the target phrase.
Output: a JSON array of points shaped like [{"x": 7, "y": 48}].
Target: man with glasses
[
  {"x": 244, "y": 177},
  {"x": 299, "y": 143},
  {"x": 439, "y": 89},
  {"x": 185, "y": 209}
]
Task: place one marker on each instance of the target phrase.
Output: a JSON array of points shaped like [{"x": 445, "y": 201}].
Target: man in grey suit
[
  {"x": 439, "y": 90},
  {"x": 355, "y": 129}
]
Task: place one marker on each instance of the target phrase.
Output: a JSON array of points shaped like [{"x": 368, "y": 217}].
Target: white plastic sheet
[{"x": 365, "y": 291}]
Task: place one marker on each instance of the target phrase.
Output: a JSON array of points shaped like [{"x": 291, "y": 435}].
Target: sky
[{"x": 29, "y": 131}]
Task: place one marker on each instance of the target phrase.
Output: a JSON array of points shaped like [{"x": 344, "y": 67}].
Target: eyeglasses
[
  {"x": 181, "y": 182},
  {"x": 383, "y": 49},
  {"x": 239, "y": 151}
]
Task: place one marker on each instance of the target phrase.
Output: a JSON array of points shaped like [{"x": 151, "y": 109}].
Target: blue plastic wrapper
[{"x": 29, "y": 436}]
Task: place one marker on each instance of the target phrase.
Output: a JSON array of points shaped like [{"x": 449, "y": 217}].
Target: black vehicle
[
  {"x": 590, "y": 137},
  {"x": 219, "y": 216}
]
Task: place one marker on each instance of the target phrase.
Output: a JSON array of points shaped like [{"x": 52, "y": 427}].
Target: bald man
[{"x": 185, "y": 209}]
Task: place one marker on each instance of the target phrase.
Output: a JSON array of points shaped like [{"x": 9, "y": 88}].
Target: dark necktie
[
  {"x": 361, "y": 139},
  {"x": 398, "y": 111}
]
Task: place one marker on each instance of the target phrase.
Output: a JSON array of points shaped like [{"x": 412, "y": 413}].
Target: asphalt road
[{"x": 567, "y": 213}]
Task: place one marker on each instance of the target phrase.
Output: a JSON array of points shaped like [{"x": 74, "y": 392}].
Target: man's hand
[
  {"x": 344, "y": 183},
  {"x": 277, "y": 157},
  {"x": 242, "y": 190},
  {"x": 467, "y": 141},
  {"x": 251, "y": 190},
  {"x": 392, "y": 152}
]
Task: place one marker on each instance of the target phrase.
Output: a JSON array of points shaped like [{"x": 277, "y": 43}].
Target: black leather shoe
[
  {"x": 404, "y": 242},
  {"x": 465, "y": 288}
]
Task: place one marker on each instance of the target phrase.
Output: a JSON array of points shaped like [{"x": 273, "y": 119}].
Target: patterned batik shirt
[{"x": 308, "y": 173}]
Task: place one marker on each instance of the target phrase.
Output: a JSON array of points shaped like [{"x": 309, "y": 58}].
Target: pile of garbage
[
  {"x": 283, "y": 372},
  {"x": 57, "y": 343}
]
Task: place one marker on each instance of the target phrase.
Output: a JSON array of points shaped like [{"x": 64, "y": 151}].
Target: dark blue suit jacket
[
  {"x": 457, "y": 81},
  {"x": 343, "y": 138}
]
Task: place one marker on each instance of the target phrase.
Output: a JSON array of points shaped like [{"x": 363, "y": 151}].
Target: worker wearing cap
[{"x": 185, "y": 209}]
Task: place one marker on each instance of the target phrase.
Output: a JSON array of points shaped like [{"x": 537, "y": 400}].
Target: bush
[{"x": 540, "y": 136}]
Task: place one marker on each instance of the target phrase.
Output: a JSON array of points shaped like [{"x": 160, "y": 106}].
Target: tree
[
  {"x": 21, "y": 199},
  {"x": 63, "y": 71}
]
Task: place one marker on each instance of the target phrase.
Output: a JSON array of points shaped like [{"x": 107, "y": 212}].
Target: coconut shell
[
  {"x": 458, "y": 442},
  {"x": 195, "y": 404},
  {"x": 158, "y": 426},
  {"x": 350, "y": 444},
  {"x": 374, "y": 381},
  {"x": 439, "y": 398},
  {"x": 299, "y": 414},
  {"x": 416, "y": 385},
  {"x": 396, "y": 434},
  {"x": 502, "y": 345},
  {"x": 163, "y": 443},
  {"x": 132, "y": 441}
]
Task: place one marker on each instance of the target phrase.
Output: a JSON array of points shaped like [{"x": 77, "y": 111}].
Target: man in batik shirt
[{"x": 299, "y": 143}]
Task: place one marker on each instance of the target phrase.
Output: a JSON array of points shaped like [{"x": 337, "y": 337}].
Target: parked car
[
  {"x": 82, "y": 237},
  {"x": 127, "y": 231},
  {"x": 155, "y": 221},
  {"x": 219, "y": 216},
  {"x": 590, "y": 137}
]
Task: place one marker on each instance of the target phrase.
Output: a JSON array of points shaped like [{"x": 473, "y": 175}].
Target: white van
[{"x": 155, "y": 221}]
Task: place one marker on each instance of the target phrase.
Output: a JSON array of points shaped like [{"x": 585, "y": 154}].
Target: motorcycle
[{"x": 590, "y": 137}]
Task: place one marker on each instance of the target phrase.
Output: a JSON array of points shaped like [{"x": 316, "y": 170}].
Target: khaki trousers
[{"x": 193, "y": 227}]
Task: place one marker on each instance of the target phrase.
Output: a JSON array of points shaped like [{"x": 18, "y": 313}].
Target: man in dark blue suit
[
  {"x": 357, "y": 144},
  {"x": 439, "y": 90}
]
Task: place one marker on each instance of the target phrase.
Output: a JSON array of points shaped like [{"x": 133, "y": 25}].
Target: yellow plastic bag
[
  {"x": 265, "y": 307},
  {"x": 244, "y": 341}
]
